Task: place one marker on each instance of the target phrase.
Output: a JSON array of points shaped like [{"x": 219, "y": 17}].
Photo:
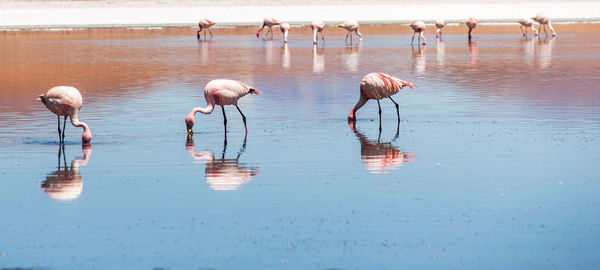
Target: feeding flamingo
[
  {"x": 204, "y": 24},
  {"x": 285, "y": 29},
  {"x": 317, "y": 27},
  {"x": 418, "y": 27},
  {"x": 527, "y": 23},
  {"x": 351, "y": 26},
  {"x": 544, "y": 20},
  {"x": 472, "y": 23},
  {"x": 439, "y": 24},
  {"x": 221, "y": 92},
  {"x": 268, "y": 22},
  {"x": 66, "y": 101},
  {"x": 378, "y": 85}
]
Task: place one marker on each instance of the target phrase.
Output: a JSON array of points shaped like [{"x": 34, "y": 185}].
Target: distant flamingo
[
  {"x": 378, "y": 85},
  {"x": 268, "y": 22},
  {"x": 527, "y": 23},
  {"x": 285, "y": 29},
  {"x": 204, "y": 24},
  {"x": 66, "y": 101},
  {"x": 418, "y": 27},
  {"x": 544, "y": 20},
  {"x": 472, "y": 23},
  {"x": 221, "y": 92},
  {"x": 439, "y": 24},
  {"x": 317, "y": 27},
  {"x": 351, "y": 26}
]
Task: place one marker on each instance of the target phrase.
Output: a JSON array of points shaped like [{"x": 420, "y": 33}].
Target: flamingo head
[
  {"x": 86, "y": 138},
  {"x": 189, "y": 123},
  {"x": 252, "y": 90}
]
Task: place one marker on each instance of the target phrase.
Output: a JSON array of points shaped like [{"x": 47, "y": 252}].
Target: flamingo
[
  {"x": 527, "y": 23},
  {"x": 221, "y": 92},
  {"x": 204, "y": 23},
  {"x": 285, "y": 29},
  {"x": 418, "y": 27},
  {"x": 439, "y": 24},
  {"x": 378, "y": 85},
  {"x": 472, "y": 23},
  {"x": 544, "y": 20},
  {"x": 351, "y": 26},
  {"x": 268, "y": 22},
  {"x": 66, "y": 101},
  {"x": 317, "y": 27}
]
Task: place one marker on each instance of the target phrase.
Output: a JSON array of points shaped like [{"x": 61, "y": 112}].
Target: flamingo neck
[
  {"x": 315, "y": 35},
  {"x": 87, "y": 133},
  {"x": 361, "y": 102},
  {"x": 207, "y": 110}
]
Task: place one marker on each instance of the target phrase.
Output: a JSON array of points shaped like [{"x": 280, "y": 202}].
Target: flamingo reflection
[
  {"x": 223, "y": 173},
  {"x": 65, "y": 184},
  {"x": 380, "y": 157},
  {"x": 318, "y": 59},
  {"x": 285, "y": 60},
  {"x": 351, "y": 57},
  {"x": 473, "y": 53},
  {"x": 545, "y": 47},
  {"x": 441, "y": 51},
  {"x": 419, "y": 64}
]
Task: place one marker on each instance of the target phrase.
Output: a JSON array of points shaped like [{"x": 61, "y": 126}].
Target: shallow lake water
[{"x": 494, "y": 164}]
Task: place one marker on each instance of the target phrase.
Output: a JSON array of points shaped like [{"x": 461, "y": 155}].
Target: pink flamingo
[
  {"x": 204, "y": 24},
  {"x": 472, "y": 23},
  {"x": 351, "y": 26},
  {"x": 268, "y": 22},
  {"x": 285, "y": 29},
  {"x": 378, "y": 85},
  {"x": 66, "y": 101},
  {"x": 317, "y": 27},
  {"x": 527, "y": 23},
  {"x": 544, "y": 20},
  {"x": 418, "y": 27},
  {"x": 221, "y": 92},
  {"x": 439, "y": 24}
]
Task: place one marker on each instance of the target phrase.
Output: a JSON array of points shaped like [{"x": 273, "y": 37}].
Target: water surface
[{"x": 494, "y": 164}]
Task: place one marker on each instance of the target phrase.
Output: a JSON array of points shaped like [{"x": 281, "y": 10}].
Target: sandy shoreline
[{"x": 101, "y": 14}]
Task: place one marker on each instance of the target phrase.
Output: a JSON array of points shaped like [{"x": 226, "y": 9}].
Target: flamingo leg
[
  {"x": 397, "y": 108},
  {"x": 347, "y": 36},
  {"x": 198, "y": 34},
  {"x": 204, "y": 35},
  {"x": 521, "y": 27},
  {"x": 211, "y": 35},
  {"x": 322, "y": 37},
  {"x": 224, "y": 118},
  {"x": 470, "y": 33},
  {"x": 379, "y": 105},
  {"x": 243, "y": 118},
  {"x": 64, "y": 126},
  {"x": 59, "y": 138}
]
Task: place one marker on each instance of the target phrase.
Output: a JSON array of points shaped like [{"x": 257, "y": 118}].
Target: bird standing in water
[
  {"x": 544, "y": 20},
  {"x": 317, "y": 27},
  {"x": 204, "y": 24},
  {"x": 267, "y": 22},
  {"x": 418, "y": 27},
  {"x": 472, "y": 23},
  {"x": 351, "y": 26},
  {"x": 285, "y": 29},
  {"x": 66, "y": 101},
  {"x": 378, "y": 85},
  {"x": 527, "y": 23},
  {"x": 221, "y": 92},
  {"x": 439, "y": 24}
]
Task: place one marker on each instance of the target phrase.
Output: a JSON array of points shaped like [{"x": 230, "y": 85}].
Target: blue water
[{"x": 493, "y": 166}]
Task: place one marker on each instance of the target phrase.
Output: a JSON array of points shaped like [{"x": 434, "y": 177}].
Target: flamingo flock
[{"x": 66, "y": 101}]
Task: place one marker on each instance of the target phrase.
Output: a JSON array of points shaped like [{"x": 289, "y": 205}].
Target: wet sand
[{"x": 494, "y": 164}]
